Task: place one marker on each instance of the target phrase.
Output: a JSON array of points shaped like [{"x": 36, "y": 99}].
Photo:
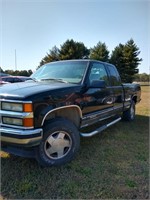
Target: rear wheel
[
  {"x": 60, "y": 143},
  {"x": 129, "y": 115}
]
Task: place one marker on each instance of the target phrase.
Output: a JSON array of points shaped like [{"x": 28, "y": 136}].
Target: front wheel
[
  {"x": 129, "y": 115},
  {"x": 60, "y": 143}
]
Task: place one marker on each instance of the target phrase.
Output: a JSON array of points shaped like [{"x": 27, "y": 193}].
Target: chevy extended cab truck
[{"x": 44, "y": 118}]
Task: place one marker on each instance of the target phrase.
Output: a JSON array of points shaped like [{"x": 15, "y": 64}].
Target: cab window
[
  {"x": 98, "y": 72},
  {"x": 114, "y": 76}
]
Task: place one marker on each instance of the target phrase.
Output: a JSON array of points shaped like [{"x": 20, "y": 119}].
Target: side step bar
[{"x": 102, "y": 128}]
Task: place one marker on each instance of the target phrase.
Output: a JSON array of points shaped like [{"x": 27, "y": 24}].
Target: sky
[{"x": 30, "y": 28}]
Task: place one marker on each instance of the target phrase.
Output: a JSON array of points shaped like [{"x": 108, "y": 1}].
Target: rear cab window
[{"x": 113, "y": 75}]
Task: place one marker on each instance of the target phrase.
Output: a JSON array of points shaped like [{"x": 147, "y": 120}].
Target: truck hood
[{"x": 25, "y": 89}]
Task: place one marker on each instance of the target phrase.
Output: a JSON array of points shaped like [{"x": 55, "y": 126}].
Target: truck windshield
[{"x": 61, "y": 71}]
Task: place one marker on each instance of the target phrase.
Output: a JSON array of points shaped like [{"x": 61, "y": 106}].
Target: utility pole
[{"x": 15, "y": 60}]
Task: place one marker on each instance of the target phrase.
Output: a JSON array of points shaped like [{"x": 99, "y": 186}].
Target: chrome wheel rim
[{"x": 58, "y": 145}]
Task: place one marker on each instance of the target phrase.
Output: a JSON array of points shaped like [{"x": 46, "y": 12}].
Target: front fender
[{"x": 71, "y": 112}]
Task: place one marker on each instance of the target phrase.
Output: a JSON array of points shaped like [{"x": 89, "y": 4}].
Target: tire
[
  {"x": 129, "y": 115},
  {"x": 60, "y": 143}
]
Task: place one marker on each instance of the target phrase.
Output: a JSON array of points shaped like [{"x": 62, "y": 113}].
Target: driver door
[{"x": 98, "y": 101}]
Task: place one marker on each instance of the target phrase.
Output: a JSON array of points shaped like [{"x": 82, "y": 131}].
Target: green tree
[
  {"x": 132, "y": 61},
  {"x": 11, "y": 72},
  {"x": 100, "y": 52},
  {"x": 22, "y": 73},
  {"x": 1, "y": 70},
  {"x": 137, "y": 77},
  {"x": 19, "y": 73},
  {"x": 69, "y": 50},
  {"x": 30, "y": 72},
  {"x": 73, "y": 50},
  {"x": 142, "y": 77},
  {"x": 117, "y": 58},
  {"x": 53, "y": 55},
  {"x": 125, "y": 58}
]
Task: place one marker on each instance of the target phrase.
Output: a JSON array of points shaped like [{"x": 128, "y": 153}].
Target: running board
[{"x": 99, "y": 130}]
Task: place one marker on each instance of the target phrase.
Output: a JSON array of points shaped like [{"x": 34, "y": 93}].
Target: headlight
[
  {"x": 26, "y": 122},
  {"x": 12, "y": 121},
  {"x": 19, "y": 107},
  {"x": 12, "y": 106},
  {"x": 17, "y": 114}
]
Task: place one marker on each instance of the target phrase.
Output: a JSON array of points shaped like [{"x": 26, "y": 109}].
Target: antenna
[{"x": 15, "y": 60}]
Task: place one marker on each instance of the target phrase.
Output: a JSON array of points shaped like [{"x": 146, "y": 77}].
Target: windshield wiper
[
  {"x": 34, "y": 79},
  {"x": 54, "y": 79}
]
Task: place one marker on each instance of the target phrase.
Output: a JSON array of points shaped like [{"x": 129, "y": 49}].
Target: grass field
[{"x": 112, "y": 165}]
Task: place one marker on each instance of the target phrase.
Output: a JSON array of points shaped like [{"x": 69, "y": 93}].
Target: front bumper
[{"x": 21, "y": 137}]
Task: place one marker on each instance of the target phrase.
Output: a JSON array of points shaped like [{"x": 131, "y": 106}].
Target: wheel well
[
  {"x": 134, "y": 99},
  {"x": 73, "y": 114}
]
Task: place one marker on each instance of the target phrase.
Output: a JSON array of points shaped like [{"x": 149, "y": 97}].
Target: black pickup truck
[{"x": 44, "y": 118}]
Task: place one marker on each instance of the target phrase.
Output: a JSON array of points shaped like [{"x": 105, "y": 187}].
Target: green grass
[{"x": 112, "y": 165}]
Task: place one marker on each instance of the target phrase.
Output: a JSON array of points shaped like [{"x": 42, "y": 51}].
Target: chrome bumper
[{"x": 21, "y": 137}]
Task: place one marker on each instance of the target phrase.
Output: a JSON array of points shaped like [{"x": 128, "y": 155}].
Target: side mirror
[{"x": 97, "y": 84}]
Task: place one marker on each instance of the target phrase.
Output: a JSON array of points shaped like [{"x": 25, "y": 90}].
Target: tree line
[
  {"x": 142, "y": 77},
  {"x": 124, "y": 56},
  {"x": 17, "y": 72}
]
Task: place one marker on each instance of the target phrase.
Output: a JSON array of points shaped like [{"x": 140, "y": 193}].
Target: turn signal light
[
  {"x": 27, "y": 107},
  {"x": 28, "y": 122}
]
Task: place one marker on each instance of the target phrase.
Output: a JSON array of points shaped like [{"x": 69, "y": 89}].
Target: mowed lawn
[{"x": 111, "y": 165}]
